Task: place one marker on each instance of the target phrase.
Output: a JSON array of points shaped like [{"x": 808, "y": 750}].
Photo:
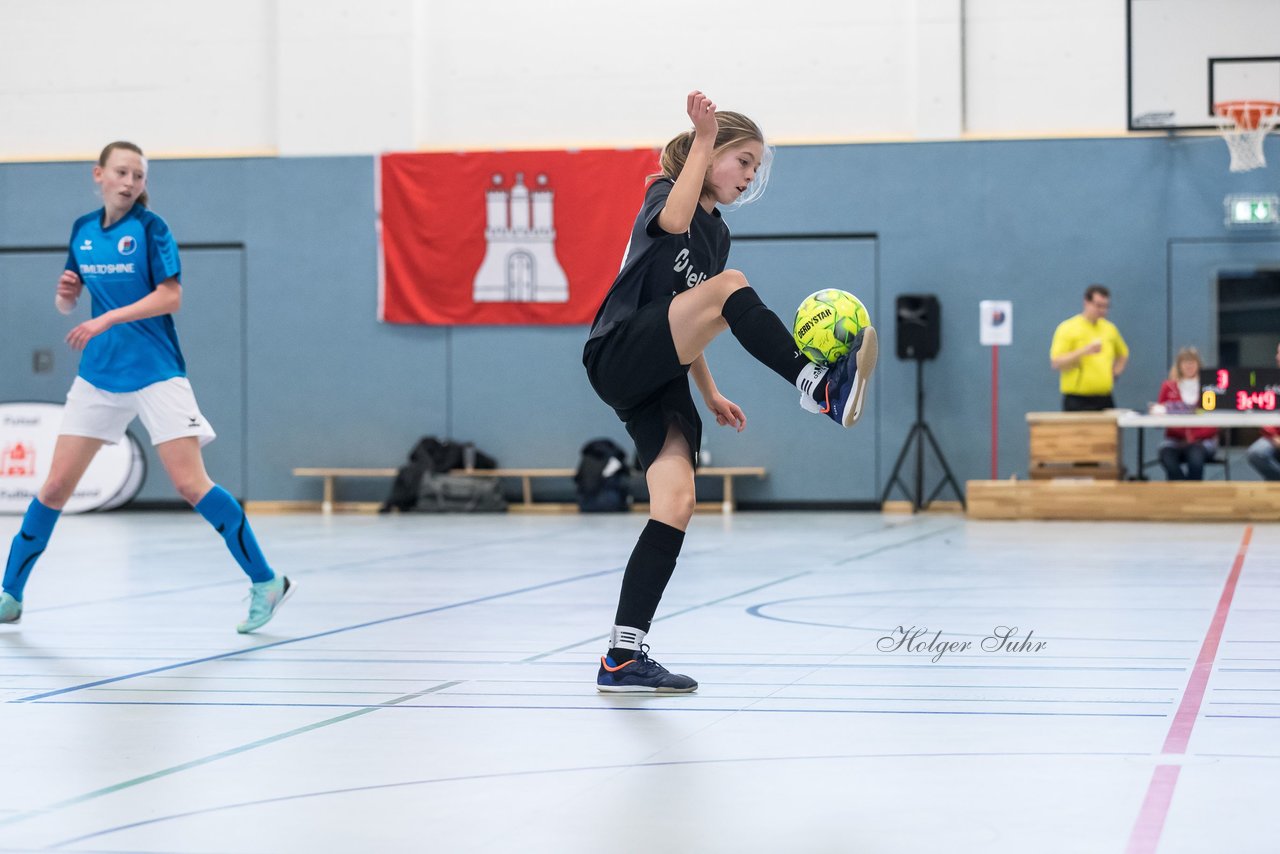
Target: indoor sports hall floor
[{"x": 430, "y": 687}]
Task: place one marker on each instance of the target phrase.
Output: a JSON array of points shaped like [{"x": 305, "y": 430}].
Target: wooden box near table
[{"x": 1075, "y": 444}]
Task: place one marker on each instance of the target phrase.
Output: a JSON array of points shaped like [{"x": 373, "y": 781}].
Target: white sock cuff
[
  {"x": 809, "y": 378},
  {"x": 625, "y": 637}
]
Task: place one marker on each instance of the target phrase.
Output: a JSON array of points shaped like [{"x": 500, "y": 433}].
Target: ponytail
[
  {"x": 733, "y": 129},
  {"x": 674, "y": 156}
]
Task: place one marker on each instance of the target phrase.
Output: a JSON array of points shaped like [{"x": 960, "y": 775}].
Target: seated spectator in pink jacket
[{"x": 1185, "y": 449}]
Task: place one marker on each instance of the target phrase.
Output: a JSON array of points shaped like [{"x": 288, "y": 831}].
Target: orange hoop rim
[{"x": 1247, "y": 114}]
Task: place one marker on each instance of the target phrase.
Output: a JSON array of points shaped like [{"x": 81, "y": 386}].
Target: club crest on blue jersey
[{"x": 127, "y": 245}]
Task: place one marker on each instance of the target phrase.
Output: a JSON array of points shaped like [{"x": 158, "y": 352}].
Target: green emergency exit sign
[{"x": 1252, "y": 209}]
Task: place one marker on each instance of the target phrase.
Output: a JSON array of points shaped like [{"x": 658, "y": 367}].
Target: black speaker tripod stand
[{"x": 919, "y": 434}]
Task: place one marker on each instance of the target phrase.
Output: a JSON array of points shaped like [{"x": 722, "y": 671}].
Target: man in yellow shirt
[{"x": 1088, "y": 351}]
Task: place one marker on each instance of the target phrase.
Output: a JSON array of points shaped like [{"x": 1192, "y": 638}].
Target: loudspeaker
[{"x": 919, "y": 326}]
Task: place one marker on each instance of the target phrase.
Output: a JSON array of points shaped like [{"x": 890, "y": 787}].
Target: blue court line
[
  {"x": 922, "y": 660},
  {"x": 610, "y": 708},
  {"x": 1248, "y": 717},
  {"x": 980, "y": 686},
  {"x": 918, "y": 665},
  {"x": 68, "y": 656},
  {"x": 247, "y": 650},
  {"x": 986, "y": 686},
  {"x": 240, "y": 581},
  {"x": 740, "y": 662},
  {"x": 833, "y": 699},
  {"x": 537, "y": 659},
  {"x": 867, "y": 595},
  {"x": 922, "y": 657},
  {"x": 363, "y": 709},
  {"x": 537, "y": 772},
  {"x": 1249, "y": 669},
  {"x": 883, "y": 528},
  {"x": 926, "y": 535}
]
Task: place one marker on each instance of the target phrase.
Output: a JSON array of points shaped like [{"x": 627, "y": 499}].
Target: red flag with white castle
[{"x": 522, "y": 237}]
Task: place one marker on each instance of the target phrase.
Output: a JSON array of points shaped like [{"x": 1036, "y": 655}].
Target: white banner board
[{"x": 28, "y": 432}]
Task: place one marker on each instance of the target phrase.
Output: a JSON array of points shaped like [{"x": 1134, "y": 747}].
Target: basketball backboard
[{"x": 1186, "y": 55}]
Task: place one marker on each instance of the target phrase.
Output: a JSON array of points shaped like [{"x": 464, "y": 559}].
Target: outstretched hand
[
  {"x": 703, "y": 113},
  {"x": 727, "y": 413}
]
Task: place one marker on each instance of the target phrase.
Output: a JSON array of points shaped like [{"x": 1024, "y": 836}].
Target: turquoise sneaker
[
  {"x": 10, "y": 609},
  {"x": 265, "y": 598}
]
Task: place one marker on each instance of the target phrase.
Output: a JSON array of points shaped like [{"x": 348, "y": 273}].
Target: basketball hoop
[{"x": 1245, "y": 125}]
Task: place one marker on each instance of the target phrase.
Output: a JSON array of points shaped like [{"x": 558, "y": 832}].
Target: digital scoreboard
[{"x": 1239, "y": 389}]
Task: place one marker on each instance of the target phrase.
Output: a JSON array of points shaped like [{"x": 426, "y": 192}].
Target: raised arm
[{"x": 687, "y": 192}]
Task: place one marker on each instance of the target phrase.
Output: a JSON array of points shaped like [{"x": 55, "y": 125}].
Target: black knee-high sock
[
  {"x": 763, "y": 334},
  {"x": 648, "y": 571}
]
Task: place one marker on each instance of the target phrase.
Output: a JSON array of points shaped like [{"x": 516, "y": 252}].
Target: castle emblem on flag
[{"x": 520, "y": 246}]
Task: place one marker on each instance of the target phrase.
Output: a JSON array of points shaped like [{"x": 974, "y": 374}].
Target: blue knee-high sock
[
  {"x": 227, "y": 517},
  {"x": 28, "y": 545}
]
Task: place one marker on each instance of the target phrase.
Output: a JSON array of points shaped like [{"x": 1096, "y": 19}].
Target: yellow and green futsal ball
[{"x": 827, "y": 322}]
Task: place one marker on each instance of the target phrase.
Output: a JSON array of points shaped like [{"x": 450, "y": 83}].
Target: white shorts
[{"x": 168, "y": 410}]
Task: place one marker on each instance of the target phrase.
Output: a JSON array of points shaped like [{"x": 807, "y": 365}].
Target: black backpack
[
  {"x": 429, "y": 456},
  {"x": 602, "y": 479}
]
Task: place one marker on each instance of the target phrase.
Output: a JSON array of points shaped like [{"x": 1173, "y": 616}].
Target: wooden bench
[
  {"x": 332, "y": 474},
  {"x": 727, "y": 505}
]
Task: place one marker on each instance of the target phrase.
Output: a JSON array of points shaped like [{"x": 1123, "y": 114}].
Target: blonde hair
[
  {"x": 734, "y": 129},
  {"x": 126, "y": 146},
  {"x": 1185, "y": 354}
]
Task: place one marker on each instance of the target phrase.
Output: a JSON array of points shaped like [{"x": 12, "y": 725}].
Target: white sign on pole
[{"x": 995, "y": 324}]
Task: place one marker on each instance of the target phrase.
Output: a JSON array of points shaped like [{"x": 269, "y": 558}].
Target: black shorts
[
  {"x": 634, "y": 368},
  {"x": 1087, "y": 402}
]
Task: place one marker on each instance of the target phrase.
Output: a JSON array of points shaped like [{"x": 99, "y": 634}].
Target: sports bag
[
  {"x": 603, "y": 478},
  {"x": 450, "y": 493}
]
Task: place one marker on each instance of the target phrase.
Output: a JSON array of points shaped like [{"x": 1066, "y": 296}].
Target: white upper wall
[{"x": 340, "y": 77}]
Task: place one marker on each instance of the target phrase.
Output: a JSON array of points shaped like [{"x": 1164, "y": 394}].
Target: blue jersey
[{"x": 120, "y": 265}]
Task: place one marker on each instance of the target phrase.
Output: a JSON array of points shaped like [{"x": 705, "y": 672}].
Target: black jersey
[{"x": 658, "y": 264}]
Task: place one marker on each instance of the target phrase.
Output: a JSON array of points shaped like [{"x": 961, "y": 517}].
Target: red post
[{"x": 995, "y": 407}]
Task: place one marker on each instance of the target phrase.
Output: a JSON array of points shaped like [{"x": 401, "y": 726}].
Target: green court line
[{"x": 205, "y": 760}]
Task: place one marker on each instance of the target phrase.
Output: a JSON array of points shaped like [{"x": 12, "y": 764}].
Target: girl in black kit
[{"x": 672, "y": 296}]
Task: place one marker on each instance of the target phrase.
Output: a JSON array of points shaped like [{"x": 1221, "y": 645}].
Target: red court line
[
  {"x": 1155, "y": 807},
  {"x": 1146, "y": 833}
]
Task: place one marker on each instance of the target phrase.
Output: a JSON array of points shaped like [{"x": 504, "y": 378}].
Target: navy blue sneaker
[
  {"x": 847, "y": 379},
  {"x": 641, "y": 675}
]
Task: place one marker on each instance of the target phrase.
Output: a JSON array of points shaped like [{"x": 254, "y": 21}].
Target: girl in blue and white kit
[{"x": 131, "y": 367}]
